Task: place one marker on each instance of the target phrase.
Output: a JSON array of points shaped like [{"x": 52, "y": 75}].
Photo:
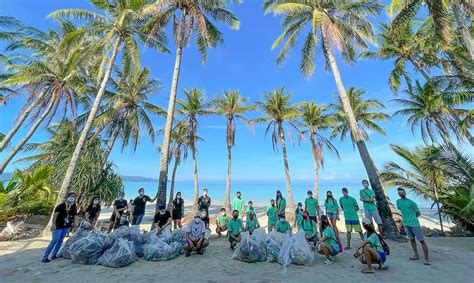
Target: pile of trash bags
[
  {"x": 122, "y": 247},
  {"x": 295, "y": 249},
  {"x": 251, "y": 248}
]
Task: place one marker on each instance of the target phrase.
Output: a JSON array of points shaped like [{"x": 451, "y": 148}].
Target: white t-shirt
[{"x": 195, "y": 230}]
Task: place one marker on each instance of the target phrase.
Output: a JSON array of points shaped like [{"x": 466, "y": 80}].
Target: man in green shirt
[
  {"x": 367, "y": 196},
  {"x": 410, "y": 214},
  {"x": 221, "y": 220},
  {"x": 312, "y": 207},
  {"x": 235, "y": 226},
  {"x": 251, "y": 223},
  {"x": 238, "y": 204},
  {"x": 309, "y": 228},
  {"x": 272, "y": 215},
  {"x": 350, "y": 207},
  {"x": 250, "y": 208},
  {"x": 282, "y": 225}
]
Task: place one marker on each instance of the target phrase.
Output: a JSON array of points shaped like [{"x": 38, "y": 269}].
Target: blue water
[{"x": 259, "y": 191}]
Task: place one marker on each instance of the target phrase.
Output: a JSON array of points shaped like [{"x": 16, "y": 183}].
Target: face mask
[
  {"x": 329, "y": 196},
  {"x": 366, "y": 186},
  {"x": 196, "y": 220},
  {"x": 204, "y": 193},
  {"x": 235, "y": 216},
  {"x": 402, "y": 195},
  {"x": 224, "y": 214},
  {"x": 120, "y": 198},
  {"x": 142, "y": 194},
  {"x": 273, "y": 204},
  {"x": 96, "y": 202},
  {"x": 310, "y": 196},
  {"x": 71, "y": 199},
  {"x": 178, "y": 196},
  {"x": 282, "y": 220},
  {"x": 162, "y": 211}
]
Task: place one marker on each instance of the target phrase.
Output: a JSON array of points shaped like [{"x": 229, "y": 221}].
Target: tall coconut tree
[
  {"x": 118, "y": 29},
  {"x": 315, "y": 120},
  {"x": 193, "y": 106},
  {"x": 231, "y": 105},
  {"x": 336, "y": 25},
  {"x": 278, "y": 112},
  {"x": 194, "y": 16}
]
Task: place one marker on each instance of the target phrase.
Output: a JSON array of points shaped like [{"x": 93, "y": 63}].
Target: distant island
[{"x": 138, "y": 179}]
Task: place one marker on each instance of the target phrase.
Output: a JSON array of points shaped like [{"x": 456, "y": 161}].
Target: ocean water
[{"x": 263, "y": 191}]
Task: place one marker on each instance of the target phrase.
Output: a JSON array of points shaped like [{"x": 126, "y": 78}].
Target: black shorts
[
  {"x": 177, "y": 215},
  {"x": 232, "y": 240},
  {"x": 314, "y": 218}
]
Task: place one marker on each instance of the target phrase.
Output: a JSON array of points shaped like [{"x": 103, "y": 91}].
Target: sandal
[
  {"x": 327, "y": 262},
  {"x": 365, "y": 271},
  {"x": 427, "y": 263},
  {"x": 414, "y": 258},
  {"x": 383, "y": 268}
]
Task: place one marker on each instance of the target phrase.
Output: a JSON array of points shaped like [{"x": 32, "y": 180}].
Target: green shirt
[
  {"x": 251, "y": 224},
  {"x": 234, "y": 226},
  {"x": 248, "y": 209},
  {"x": 374, "y": 242},
  {"x": 367, "y": 194},
  {"x": 272, "y": 215},
  {"x": 331, "y": 205},
  {"x": 348, "y": 205},
  {"x": 282, "y": 227},
  {"x": 238, "y": 204},
  {"x": 409, "y": 210},
  {"x": 299, "y": 218},
  {"x": 222, "y": 220},
  {"x": 331, "y": 238},
  {"x": 309, "y": 227},
  {"x": 281, "y": 205},
  {"x": 311, "y": 205}
]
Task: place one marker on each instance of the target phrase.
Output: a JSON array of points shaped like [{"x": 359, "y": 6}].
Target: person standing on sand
[
  {"x": 410, "y": 214},
  {"x": 251, "y": 223},
  {"x": 235, "y": 226},
  {"x": 63, "y": 219},
  {"x": 238, "y": 204},
  {"x": 328, "y": 245},
  {"x": 138, "y": 206},
  {"x": 178, "y": 211},
  {"x": 280, "y": 203},
  {"x": 272, "y": 215},
  {"x": 204, "y": 203},
  {"x": 367, "y": 196},
  {"x": 282, "y": 225},
  {"x": 298, "y": 217},
  {"x": 332, "y": 210},
  {"x": 120, "y": 206},
  {"x": 195, "y": 232},
  {"x": 371, "y": 250},
  {"x": 93, "y": 211},
  {"x": 312, "y": 207},
  {"x": 221, "y": 222},
  {"x": 350, "y": 207}
]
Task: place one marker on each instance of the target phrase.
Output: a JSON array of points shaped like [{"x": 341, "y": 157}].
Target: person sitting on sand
[
  {"x": 350, "y": 207},
  {"x": 332, "y": 210},
  {"x": 328, "y": 245},
  {"x": 120, "y": 207},
  {"x": 298, "y": 216},
  {"x": 280, "y": 203},
  {"x": 272, "y": 215},
  {"x": 221, "y": 222},
  {"x": 178, "y": 211},
  {"x": 195, "y": 232},
  {"x": 282, "y": 225},
  {"x": 238, "y": 204},
  {"x": 371, "y": 250},
  {"x": 367, "y": 196},
  {"x": 138, "y": 206},
  {"x": 250, "y": 208},
  {"x": 93, "y": 211},
  {"x": 234, "y": 226},
  {"x": 309, "y": 228},
  {"x": 251, "y": 223},
  {"x": 162, "y": 219},
  {"x": 63, "y": 219},
  {"x": 204, "y": 203},
  {"x": 410, "y": 214}
]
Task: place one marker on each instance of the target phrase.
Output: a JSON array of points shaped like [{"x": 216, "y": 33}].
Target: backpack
[
  {"x": 385, "y": 247},
  {"x": 341, "y": 248}
]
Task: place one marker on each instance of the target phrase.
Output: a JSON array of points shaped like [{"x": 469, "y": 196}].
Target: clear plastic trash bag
[
  {"x": 179, "y": 235},
  {"x": 250, "y": 250},
  {"x": 284, "y": 255},
  {"x": 87, "y": 250},
  {"x": 158, "y": 250},
  {"x": 122, "y": 253},
  {"x": 64, "y": 251},
  {"x": 300, "y": 250}
]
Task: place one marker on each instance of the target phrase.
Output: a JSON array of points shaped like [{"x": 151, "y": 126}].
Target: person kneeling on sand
[
  {"x": 309, "y": 228},
  {"x": 221, "y": 222},
  {"x": 282, "y": 225},
  {"x": 328, "y": 245},
  {"x": 195, "y": 232},
  {"x": 251, "y": 223},
  {"x": 235, "y": 226},
  {"x": 162, "y": 219},
  {"x": 371, "y": 250}
]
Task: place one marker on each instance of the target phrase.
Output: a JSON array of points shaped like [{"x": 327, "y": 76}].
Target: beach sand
[{"x": 451, "y": 261}]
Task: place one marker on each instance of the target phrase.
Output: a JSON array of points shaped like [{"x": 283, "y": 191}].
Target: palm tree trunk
[
  {"x": 173, "y": 176},
  {"x": 165, "y": 147},
  {"x": 32, "y": 130},
  {"x": 229, "y": 169},
  {"x": 20, "y": 121},
  {"x": 388, "y": 226},
  {"x": 316, "y": 166},
  {"x": 110, "y": 146},
  {"x": 281, "y": 133},
  {"x": 465, "y": 35},
  {"x": 196, "y": 184},
  {"x": 439, "y": 211}
]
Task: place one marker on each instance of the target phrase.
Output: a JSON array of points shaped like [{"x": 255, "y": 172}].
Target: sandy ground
[{"x": 451, "y": 261}]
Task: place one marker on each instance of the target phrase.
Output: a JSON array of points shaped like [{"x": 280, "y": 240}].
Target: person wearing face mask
[
  {"x": 309, "y": 228},
  {"x": 178, "y": 210},
  {"x": 235, "y": 226},
  {"x": 311, "y": 205},
  {"x": 238, "y": 204},
  {"x": 328, "y": 245},
  {"x": 221, "y": 222},
  {"x": 195, "y": 232},
  {"x": 350, "y": 207},
  {"x": 280, "y": 203},
  {"x": 204, "y": 203},
  {"x": 63, "y": 220},
  {"x": 93, "y": 211},
  {"x": 371, "y": 250},
  {"x": 367, "y": 196},
  {"x": 251, "y": 223},
  {"x": 272, "y": 215},
  {"x": 120, "y": 207},
  {"x": 332, "y": 210},
  {"x": 298, "y": 216},
  {"x": 250, "y": 208},
  {"x": 162, "y": 219},
  {"x": 282, "y": 225},
  {"x": 410, "y": 214},
  {"x": 139, "y": 205}
]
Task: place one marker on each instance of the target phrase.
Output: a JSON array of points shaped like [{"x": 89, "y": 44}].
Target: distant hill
[{"x": 138, "y": 179}]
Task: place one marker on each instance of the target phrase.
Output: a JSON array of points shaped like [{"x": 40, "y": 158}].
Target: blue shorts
[
  {"x": 382, "y": 256},
  {"x": 332, "y": 215}
]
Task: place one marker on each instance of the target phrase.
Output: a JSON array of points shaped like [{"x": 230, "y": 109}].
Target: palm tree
[
  {"x": 193, "y": 106},
  {"x": 336, "y": 24},
  {"x": 277, "y": 112},
  {"x": 118, "y": 29},
  {"x": 231, "y": 106},
  {"x": 195, "y": 15},
  {"x": 315, "y": 120}
]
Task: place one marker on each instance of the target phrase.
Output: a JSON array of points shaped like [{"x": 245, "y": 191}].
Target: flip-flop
[
  {"x": 347, "y": 248},
  {"x": 366, "y": 272},
  {"x": 414, "y": 258},
  {"x": 383, "y": 268},
  {"x": 427, "y": 263}
]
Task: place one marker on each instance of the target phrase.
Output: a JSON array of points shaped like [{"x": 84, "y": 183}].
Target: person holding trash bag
[
  {"x": 120, "y": 206},
  {"x": 162, "y": 219},
  {"x": 63, "y": 219},
  {"x": 195, "y": 236},
  {"x": 234, "y": 226}
]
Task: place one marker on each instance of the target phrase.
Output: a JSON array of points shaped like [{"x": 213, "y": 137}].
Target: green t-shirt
[
  {"x": 374, "y": 242},
  {"x": 299, "y": 218},
  {"x": 272, "y": 215},
  {"x": 248, "y": 209},
  {"x": 251, "y": 224},
  {"x": 367, "y": 194},
  {"x": 409, "y": 210},
  {"x": 348, "y": 205},
  {"x": 309, "y": 227},
  {"x": 222, "y": 220},
  {"x": 281, "y": 205},
  {"x": 234, "y": 226},
  {"x": 331, "y": 238},
  {"x": 238, "y": 204},
  {"x": 282, "y": 227},
  {"x": 311, "y": 205},
  {"x": 331, "y": 205}
]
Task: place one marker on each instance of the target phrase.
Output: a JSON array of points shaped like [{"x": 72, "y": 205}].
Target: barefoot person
[
  {"x": 238, "y": 204},
  {"x": 328, "y": 245},
  {"x": 350, "y": 207},
  {"x": 221, "y": 222},
  {"x": 195, "y": 232},
  {"x": 311, "y": 205},
  {"x": 178, "y": 211},
  {"x": 120, "y": 207},
  {"x": 332, "y": 210},
  {"x": 410, "y": 214},
  {"x": 370, "y": 251},
  {"x": 93, "y": 211},
  {"x": 272, "y": 215},
  {"x": 234, "y": 226},
  {"x": 367, "y": 196},
  {"x": 138, "y": 206},
  {"x": 63, "y": 219}
]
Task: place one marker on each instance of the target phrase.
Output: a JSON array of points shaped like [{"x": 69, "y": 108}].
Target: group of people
[{"x": 320, "y": 227}]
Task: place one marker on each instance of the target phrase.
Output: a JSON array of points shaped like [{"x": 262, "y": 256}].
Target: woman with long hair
[
  {"x": 178, "y": 211},
  {"x": 93, "y": 211},
  {"x": 328, "y": 245},
  {"x": 332, "y": 210},
  {"x": 371, "y": 250},
  {"x": 280, "y": 204}
]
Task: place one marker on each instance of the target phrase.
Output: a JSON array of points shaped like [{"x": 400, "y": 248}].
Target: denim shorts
[
  {"x": 414, "y": 232},
  {"x": 373, "y": 214},
  {"x": 332, "y": 215}
]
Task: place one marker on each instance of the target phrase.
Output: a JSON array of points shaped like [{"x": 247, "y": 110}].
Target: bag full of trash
[
  {"x": 158, "y": 250},
  {"x": 179, "y": 235},
  {"x": 300, "y": 250},
  {"x": 250, "y": 250},
  {"x": 121, "y": 254},
  {"x": 284, "y": 255},
  {"x": 64, "y": 251},
  {"x": 87, "y": 250}
]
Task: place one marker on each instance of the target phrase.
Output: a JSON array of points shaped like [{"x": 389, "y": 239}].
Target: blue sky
[{"x": 247, "y": 63}]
